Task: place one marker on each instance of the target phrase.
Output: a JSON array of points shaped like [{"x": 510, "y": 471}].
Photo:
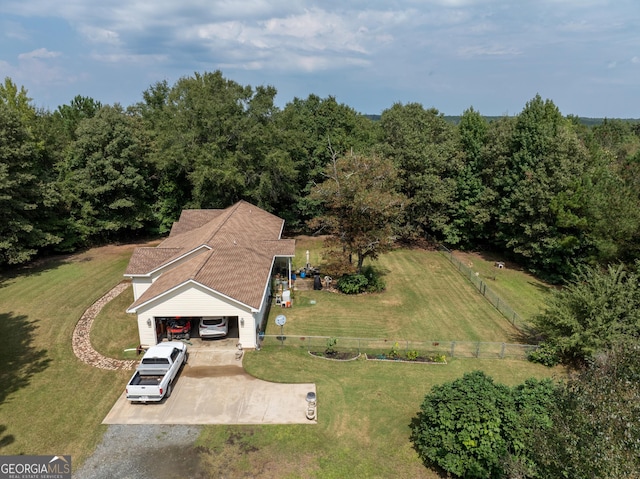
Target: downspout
[{"x": 289, "y": 263}]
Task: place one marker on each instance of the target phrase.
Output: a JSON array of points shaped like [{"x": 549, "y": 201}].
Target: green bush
[
  {"x": 412, "y": 355},
  {"x": 439, "y": 358},
  {"x": 547, "y": 354},
  {"x": 375, "y": 283},
  {"x": 370, "y": 281},
  {"x": 474, "y": 428},
  {"x": 352, "y": 284},
  {"x": 331, "y": 346}
]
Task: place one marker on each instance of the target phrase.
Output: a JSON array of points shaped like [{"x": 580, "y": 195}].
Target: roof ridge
[{"x": 232, "y": 209}]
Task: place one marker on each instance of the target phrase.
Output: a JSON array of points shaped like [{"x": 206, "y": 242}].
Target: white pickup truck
[{"x": 153, "y": 379}]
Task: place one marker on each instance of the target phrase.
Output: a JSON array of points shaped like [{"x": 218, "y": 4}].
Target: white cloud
[
  {"x": 128, "y": 58},
  {"x": 40, "y": 53},
  {"x": 14, "y": 31},
  {"x": 488, "y": 50},
  {"x": 100, "y": 35}
]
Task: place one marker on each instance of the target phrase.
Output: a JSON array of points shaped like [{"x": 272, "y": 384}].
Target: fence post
[
  {"x": 502, "y": 351},
  {"x": 453, "y": 348},
  {"x": 478, "y": 349}
]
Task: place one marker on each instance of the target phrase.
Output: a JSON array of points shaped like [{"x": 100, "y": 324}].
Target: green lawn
[
  {"x": 364, "y": 412},
  {"x": 51, "y": 403},
  {"x": 525, "y": 293},
  {"x": 426, "y": 299}
]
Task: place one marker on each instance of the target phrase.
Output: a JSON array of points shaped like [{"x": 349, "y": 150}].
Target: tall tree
[
  {"x": 313, "y": 129},
  {"x": 595, "y": 421},
  {"x": 106, "y": 177},
  {"x": 69, "y": 116},
  {"x": 470, "y": 210},
  {"x": 214, "y": 143},
  {"x": 422, "y": 145},
  {"x": 538, "y": 214},
  {"x": 362, "y": 205},
  {"x": 593, "y": 312},
  {"x": 22, "y": 191}
]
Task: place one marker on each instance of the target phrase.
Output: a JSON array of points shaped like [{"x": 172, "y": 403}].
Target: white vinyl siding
[
  {"x": 140, "y": 285},
  {"x": 147, "y": 333},
  {"x": 194, "y": 300}
]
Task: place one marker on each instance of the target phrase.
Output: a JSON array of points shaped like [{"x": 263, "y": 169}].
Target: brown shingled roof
[{"x": 244, "y": 240}]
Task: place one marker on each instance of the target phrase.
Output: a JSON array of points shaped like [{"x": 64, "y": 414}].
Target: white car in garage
[{"x": 213, "y": 326}]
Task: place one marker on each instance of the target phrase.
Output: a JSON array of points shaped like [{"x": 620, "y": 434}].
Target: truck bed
[{"x": 146, "y": 380}]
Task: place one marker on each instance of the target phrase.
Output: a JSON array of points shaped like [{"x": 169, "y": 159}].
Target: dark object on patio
[{"x": 317, "y": 283}]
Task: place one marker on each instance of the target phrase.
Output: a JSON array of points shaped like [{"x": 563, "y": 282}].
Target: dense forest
[{"x": 543, "y": 188}]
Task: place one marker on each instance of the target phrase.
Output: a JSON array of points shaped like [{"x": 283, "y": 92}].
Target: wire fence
[
  {"x": 500, "y": 304},
  {"x": 376, "y": 347}
]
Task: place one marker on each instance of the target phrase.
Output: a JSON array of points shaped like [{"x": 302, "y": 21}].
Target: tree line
[{"x": 540, "y": 187}]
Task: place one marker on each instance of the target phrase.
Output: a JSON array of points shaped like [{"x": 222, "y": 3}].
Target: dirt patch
[
  {"x": 172, "y": 461},
  {"x": 132, "y": 451},
  {"x": 469, "y": 257},
  {"x": 214, "y": 372}
]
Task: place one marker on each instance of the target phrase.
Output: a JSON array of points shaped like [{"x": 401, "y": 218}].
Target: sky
[{"x": 492, "y": 55}]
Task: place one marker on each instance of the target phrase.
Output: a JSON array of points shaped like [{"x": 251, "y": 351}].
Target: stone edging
[{"x": 81, "y": 342}]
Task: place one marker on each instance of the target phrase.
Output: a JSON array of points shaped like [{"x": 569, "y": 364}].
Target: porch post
[{"x": 289, "y": 263}]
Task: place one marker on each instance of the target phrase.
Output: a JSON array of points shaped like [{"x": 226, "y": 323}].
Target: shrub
[
  {"x": 472, "y": 427},
  {"x": 412, "y": 355},
  {"x": 375, "y": 283},
  {"x": 352, "y": 284},
  {"x": 331, "y": 346},
  {"x": 439, "y": 358},
  {"x": 547, "y": 354},
  {"x": 370, "y": 280},
  {"x": 394, "y": 353}
]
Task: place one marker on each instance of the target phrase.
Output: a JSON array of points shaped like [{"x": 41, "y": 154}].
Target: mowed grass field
[
  {"x": 51, "y": 403},
  {"x": 365, "y": 409},
  {"x": 426, "y": 299},
  {"x": 524, "y": 292}
]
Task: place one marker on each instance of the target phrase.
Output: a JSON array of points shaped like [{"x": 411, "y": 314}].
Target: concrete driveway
[{"x": 213, "y": 388}]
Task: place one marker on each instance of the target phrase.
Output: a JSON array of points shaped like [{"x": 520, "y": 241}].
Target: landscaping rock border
[{"x": 81, "y": 341}]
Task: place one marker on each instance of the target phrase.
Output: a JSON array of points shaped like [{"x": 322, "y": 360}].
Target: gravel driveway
[{"x": 141, "y": 451}]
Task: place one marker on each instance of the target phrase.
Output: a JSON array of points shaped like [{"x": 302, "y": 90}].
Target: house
[{"x": 217, "y": 262}]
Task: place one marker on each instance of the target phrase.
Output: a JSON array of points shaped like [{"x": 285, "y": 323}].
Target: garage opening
[{"x": 203, "y": 327}]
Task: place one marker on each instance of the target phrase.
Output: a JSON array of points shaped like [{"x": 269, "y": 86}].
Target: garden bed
[
  {"x": 336, "y": 356},
  {"x": 353, "y": 355},
  {"x": 418, "y": 359}
]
